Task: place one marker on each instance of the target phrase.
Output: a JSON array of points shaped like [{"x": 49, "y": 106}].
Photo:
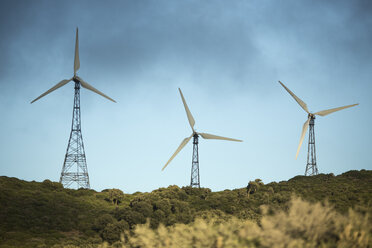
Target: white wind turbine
[
  {"x": 74, "y": 167},
  {"x": 195, "y": 177},
  {"x": 311, "y": 167}
]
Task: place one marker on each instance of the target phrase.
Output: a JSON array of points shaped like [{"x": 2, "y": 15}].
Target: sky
[{"x": 227, "y": 57}]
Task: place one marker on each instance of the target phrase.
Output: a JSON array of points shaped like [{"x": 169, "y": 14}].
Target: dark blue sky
[{"x": 226, "y": 56}]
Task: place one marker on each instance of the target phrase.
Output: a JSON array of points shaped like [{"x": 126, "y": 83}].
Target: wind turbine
[
  {"x": 311, "y": 167},
  {"x": 75, "y": 166},
  {"x": 195, "y": 177}
]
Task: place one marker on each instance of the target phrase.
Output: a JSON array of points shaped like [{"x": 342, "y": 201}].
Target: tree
[
  {"x": 112, "y": 231},
  {"x": 259, "y": 181},
  {"x": 253, "y": 186},
  {"x": 115, "y": 196}
]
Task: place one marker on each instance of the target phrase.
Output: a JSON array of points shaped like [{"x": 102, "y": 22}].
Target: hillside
[{"x": 44, "y": 214}]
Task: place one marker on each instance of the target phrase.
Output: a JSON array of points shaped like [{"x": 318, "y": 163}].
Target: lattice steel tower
[
  {"x": 311, "y": 167},
  {"x": 75, "y": 168},
  {"x": 195, "y": 177},
  {"x": 75, "y": 165}
]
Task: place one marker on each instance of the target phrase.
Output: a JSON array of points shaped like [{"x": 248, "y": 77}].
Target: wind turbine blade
[
  {"x": 189, "y": 115},
  {"x": 182, "y": 145},
  {"x": 76, "y": 60},
  {"x": 60, "y": 84},
  {"x": 212, "y": 136},
  {"x": 90, "y": 87},
  {"x": 330, "y": 111},
  {"x": 304, "y": 129},
  {"x": 298, "y": 100}
]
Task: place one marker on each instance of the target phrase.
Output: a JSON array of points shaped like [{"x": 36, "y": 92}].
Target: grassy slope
[{"x": 33, "y": 213}]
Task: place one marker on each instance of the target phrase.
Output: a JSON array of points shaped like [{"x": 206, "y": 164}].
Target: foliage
[
  {"x": 253, "y": 186},
  {"x": 36, "y": 214},
  {"x": 115, "y": 196},
  {"x": 304, "y": 224}
]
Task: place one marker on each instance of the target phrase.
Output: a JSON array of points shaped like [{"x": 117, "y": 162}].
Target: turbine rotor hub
[{"x": 311, "y": 115}]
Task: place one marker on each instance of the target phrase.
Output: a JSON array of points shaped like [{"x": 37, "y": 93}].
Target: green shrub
[{"x": 37, "y": 214}]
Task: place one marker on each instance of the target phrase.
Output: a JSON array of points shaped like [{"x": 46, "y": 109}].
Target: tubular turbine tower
[{"x": 75, "y": 168}]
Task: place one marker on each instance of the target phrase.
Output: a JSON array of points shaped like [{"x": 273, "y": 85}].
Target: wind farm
[
  {"x": 161, "y": 172},
  {"x": 233, "y": 98}
]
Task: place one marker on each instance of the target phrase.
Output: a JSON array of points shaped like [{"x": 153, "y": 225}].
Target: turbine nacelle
[
  {"x": 311, "y": 116},
  {"x": 76, "y": 79}
]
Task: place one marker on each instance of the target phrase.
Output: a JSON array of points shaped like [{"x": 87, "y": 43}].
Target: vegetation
[
  {"x": 45, "y": 214},
  {"x": 302, "y": 225}
]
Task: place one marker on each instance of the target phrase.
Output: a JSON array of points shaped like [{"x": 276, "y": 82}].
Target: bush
[
  {"x": 34, "y": 213},
  {"x": 304, "y": 224}
]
